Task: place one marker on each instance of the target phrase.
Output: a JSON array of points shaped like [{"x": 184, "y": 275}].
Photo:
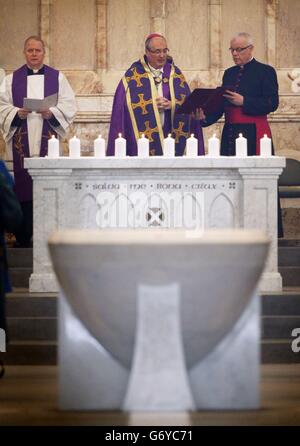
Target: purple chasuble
[
  {"x": 23, "y": 181},
  {"x": 140, "y": 90}
]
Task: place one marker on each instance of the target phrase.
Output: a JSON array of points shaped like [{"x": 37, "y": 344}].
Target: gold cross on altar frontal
[
  {"x": 142, "y": 104},
  {"x": 181, "y": 77},
  {"x": 136, "y": 77},
  {"x": 179, "y": 132},
  {"x": 148, "y": 131}
]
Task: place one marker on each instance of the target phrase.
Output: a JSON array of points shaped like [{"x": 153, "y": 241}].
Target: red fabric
[{"x": 235, "y": 115}]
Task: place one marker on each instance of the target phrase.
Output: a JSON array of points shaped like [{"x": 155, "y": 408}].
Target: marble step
[
  {"x": 21, "y": 303},
  {"x": 20, "y": 257},
  {"x": 31, "y": 353},
  {"x": 20, "y": 263},
  {"x": 278, "y": 351},
  {"x": 290, "y": 275},
  {"x": 24, "y": 304},
  {"x": 289, "y": 256},
  {"x": 273, "y": 351},
  {"x": 19, "y": 276},
  {"x": 32, "y": 328},
  {"x": 45, "y": 328},
  {"x": 286, "y": 303},
  {"x": 288, "y": 250},
  {"x": 288, "y": 242},
  {"x": 279, "y": 327}
]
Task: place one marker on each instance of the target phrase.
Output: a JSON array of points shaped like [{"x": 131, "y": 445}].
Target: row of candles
[{"x": 168, "y": 147}]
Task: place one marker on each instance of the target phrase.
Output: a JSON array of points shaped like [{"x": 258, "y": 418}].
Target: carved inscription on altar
[{"x": 150, "y": 204}]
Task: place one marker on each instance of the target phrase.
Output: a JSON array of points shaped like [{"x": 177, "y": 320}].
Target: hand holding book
[{"x": 210, "y": 100}]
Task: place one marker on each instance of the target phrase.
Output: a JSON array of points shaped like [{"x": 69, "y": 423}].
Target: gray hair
[
  {"x": 246, "y": 36},
  {"x": 36, "y": 38}
]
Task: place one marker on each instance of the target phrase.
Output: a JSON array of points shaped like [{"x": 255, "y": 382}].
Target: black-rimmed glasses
[{"x": 239, "y": 50}]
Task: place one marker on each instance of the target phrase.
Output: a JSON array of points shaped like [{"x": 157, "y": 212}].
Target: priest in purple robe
[
  {"x": 27, "y": 132},
  {"x": 146, "y": 100}
]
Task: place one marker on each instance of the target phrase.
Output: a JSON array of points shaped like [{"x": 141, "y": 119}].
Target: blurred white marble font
[{"x": 166, "y": 335}]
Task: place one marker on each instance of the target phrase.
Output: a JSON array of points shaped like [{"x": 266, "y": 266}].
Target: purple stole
[{"x": 23, "y": 181}]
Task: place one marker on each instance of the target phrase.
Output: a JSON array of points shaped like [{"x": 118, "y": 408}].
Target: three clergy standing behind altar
[
  {"x": 146, "y": 100},
  {"x": 26, "y": 133}
]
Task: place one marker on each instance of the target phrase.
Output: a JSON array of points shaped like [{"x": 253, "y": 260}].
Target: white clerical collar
[
  {"x": 35, "y": 70},
  {"x": 242, "y": 66},
  {"x": 156, "y": 71}
]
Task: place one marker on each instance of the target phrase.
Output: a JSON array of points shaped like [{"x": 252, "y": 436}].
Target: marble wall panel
[
  {"x": 243, "y": 16},
  {"x": 186, "y": 28},
  {"x": 128, "y": 23},
  {"x": 73, "y": 30},
  {"x": 288, "y": 33},
  {"x": 87, "y": 132},
  {"x": 84, "y": 82},
  {"x": 286, "y": 136},
  {"x": 18, "y": 20}
]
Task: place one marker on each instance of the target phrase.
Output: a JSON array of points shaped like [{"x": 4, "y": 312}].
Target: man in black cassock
[{"x": 252, "y": 93}]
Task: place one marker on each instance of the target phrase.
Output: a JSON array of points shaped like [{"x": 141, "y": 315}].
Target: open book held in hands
[
  {"x": 38, "y": 105},
  {"x": 209, "y": 99}
]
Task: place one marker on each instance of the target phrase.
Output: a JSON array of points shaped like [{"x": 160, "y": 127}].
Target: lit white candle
[
  {"x": 143, "y": 147},
  {"x": 265, "y": 147},
  {"x": 53, "y": 147},
  {"x": 241, "y": 146},
  {"x": 74, "y": 147},
  {"x": 192, "y": 146},
  {"x": 99, "y": 147},
  {"x": 120, "y": 147},
  {"x": 169, "y": 146},
  {"x": 213, "y": 146}
]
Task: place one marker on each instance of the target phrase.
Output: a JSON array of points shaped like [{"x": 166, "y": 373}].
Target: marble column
[{"x": 260, "y": 212}]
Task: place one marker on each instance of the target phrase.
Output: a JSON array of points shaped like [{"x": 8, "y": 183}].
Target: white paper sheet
[{"x": 40, "y": 104}]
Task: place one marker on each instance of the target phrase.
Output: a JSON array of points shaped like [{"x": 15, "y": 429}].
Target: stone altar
[{"x": 190, "y": 193}]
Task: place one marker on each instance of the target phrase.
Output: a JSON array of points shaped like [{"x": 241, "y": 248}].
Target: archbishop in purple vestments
[{"x": 146, "y": 100}]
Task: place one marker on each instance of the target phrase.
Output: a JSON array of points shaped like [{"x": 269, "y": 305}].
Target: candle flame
[
  {"x": 143, "y": 135},
  {"x": 192, "y": 135},
  {"x": 214, "y": 135},
  {"x": 120, "y": 135},
  {"x": 240, "y": 135},
  {"x": 265, "y": 136},
  {"x": 100, "y": 136},
  {"x": 169, "y": 135},
  {"x": 53, "y": 136}
]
